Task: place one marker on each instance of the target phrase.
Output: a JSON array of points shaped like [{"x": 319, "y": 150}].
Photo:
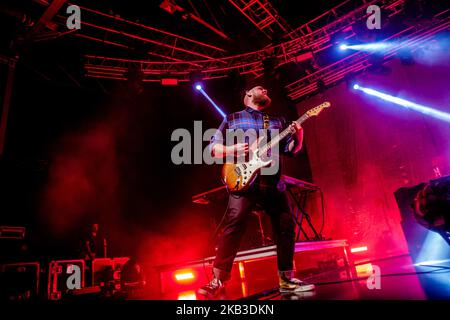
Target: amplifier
[
  {"x": 64, "y": 276},
  {"x": 7, "y": 232},
  {"x": 12, "y": 244},
  {"x": 19, "y": 281}
]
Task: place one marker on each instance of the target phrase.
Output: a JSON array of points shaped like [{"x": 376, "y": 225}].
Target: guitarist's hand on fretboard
[
  {"x": 296, "y": 126},
  {"x": 296, "y": 145}
]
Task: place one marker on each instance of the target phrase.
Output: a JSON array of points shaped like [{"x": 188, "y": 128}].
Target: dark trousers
[{"x": 276, "y": 204}]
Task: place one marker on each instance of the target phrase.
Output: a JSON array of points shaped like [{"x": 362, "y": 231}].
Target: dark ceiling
[
  {"x": 57, "y": 55},
  {"x": 144, "y": 31}
]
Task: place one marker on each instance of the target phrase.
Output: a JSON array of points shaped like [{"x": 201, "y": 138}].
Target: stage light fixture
[
  {"x": 364, "y": 270},
  {"x": 341, "y": 37},
  {"x": 187, "y": 295},
  {"x": 198, "y": 87},
  {"x": 358, "y": 249},
  {"x": 432, "y": 206},
  {"x": 169, "y": 82},
  {"x": 184, "y": 276},
  {"x": 169, "y": 6},
  {"x": 343, "y": 47},
  {"x": 303, "y": 55},
  {"x": 242, "y": 270}
]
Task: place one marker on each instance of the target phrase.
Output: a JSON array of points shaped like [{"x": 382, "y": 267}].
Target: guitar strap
[{"x": 266, "y": 121}]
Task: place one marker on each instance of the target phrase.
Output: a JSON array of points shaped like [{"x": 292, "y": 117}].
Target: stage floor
[{"x": 399, "y": 279}]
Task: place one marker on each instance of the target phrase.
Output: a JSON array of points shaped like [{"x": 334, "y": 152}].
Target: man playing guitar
[{"x": 265, "y": 190}]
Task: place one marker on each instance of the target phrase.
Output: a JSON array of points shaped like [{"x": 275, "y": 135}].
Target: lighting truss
[
  {"x": 314, "y": 37},
  {"x": 247, "y": 63},
  {"x": 112, "y": 30},
  {"x": 411, "y": 38},
  {"x": 264, "y": 16}
]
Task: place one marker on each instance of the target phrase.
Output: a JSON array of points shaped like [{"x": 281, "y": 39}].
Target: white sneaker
[
  {"x": 294, "y": 285},
  {"x": 212, "y": 289}
]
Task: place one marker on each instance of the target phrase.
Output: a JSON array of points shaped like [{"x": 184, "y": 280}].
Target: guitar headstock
[{"x": 316, "y": 110}]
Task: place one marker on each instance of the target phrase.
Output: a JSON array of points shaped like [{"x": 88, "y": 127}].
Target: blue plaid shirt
[{"x": 254, "y": 119}]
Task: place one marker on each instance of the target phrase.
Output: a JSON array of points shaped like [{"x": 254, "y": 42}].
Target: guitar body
[{"x": 239, "y": 177}]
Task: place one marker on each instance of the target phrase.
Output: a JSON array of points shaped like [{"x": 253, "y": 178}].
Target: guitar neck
[{"x": 283, "y": 134}]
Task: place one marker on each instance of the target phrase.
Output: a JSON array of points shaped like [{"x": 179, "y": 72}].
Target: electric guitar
[{"x": 239, "y": 177}]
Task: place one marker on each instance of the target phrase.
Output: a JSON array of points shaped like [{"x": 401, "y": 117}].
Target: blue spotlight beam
[
  {"x": 377, "y": 46},
  {"x": 199, "y": 88},
  {"x": 405, "y": 103}
]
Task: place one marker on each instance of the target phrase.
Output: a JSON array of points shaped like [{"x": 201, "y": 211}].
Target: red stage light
[
  {"x": 244, "y": 289},
  {"x": 241, "y": 270},
  {"x": 169, "y": 82},
  {"x": 242, "y": 275},
  {"x": 304, "y": 56},
  {"x": 187, "y": 295},
  {"x": 358, "y": 249},
  {"x": 169, "y": 6},
  {"x": 364, "y": 270},
  {"x": 184, "y": 276}
]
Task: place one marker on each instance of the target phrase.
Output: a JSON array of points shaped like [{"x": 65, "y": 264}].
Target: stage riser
[{"x": 251, "y": 275}]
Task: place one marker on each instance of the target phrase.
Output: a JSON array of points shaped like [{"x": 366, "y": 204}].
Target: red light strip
[
  {"x": 184, "y": 276},
  {"x": 358, "y": 249}
]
